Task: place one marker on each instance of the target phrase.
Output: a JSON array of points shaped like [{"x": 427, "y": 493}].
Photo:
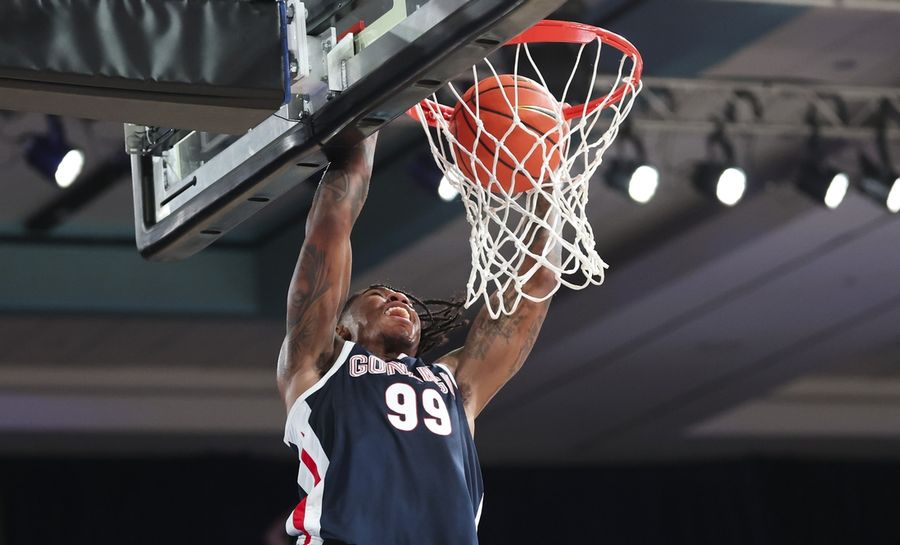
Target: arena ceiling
[{"x": 773, "y": 327}]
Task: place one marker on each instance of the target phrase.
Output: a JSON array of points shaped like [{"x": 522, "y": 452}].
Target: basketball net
[{"x": 505, "y": 224}]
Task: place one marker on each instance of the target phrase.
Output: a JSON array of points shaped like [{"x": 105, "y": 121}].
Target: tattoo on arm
[
  {"x": 507, "y": 330},
  {"x": 313, "y": 280},
  {"x": 495, "y": 350},
  {"x": 342, "y": 188},
  {"x": 489, "y": 331},
  {"x": 340, "y": 184},
  {"x": 322, "y": 274},
  {"x": 337, "y": 183},
  {"x": 531, "y": 337},
  {"x": 312, "y": 283}
]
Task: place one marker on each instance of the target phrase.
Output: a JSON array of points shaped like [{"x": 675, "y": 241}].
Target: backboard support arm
[{"x": 178, "y": 216}]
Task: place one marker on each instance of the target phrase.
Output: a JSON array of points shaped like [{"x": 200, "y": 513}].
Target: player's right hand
[{"x": 359, "y": 157}]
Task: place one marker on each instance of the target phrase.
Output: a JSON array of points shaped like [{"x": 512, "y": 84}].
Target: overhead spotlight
[
  {"x": 881, "y": 183},
  {"x": 837, "y": 190},
  {"x": 53, "y": 157},
  {"x": 446, "y": 191},
  {"x": 725, "y": 182},
  {"x": 880, "y": 180},
  {"x": 825, "y": 184},
  {"x": 634, "y": 177},
  {"x": 639, "y": 181},
  {"x": 818, "y": 179},
  {"x": 721, "y": 178},
  {"x": 428, "y": 176}
]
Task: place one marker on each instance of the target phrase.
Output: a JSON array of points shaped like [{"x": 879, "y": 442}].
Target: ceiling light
[
  {"x": 893, "y": 198},
  {"x": 69, "y": 168},
  {"x": 719, "y": 176},
  {"x": 638, "y": 181},
  {"x": 53, "y": 157},
  {"x": 881, "y": 184},
  {"x": 727, "y": 183},
  {"x": 643, "y": 184},
  {"x": 446, "y": 191},
  {"x": 826, "y": 185},
  {"x": 731, "y": 185},
  {"x": 837, "y": 190}
]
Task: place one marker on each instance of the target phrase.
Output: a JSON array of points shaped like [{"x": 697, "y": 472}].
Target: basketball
[{"x": 531, "y": 141}]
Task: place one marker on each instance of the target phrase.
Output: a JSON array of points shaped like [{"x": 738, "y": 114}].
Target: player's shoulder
[{"x": 301, "y": 385}]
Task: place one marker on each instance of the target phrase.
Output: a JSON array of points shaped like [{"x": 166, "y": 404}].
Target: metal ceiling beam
[
  {"x": 878, "y": 5},
  {"x": 754, "y": 108}
]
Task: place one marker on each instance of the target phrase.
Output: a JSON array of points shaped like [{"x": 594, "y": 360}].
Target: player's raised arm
[
  {"x": 322, "y": 276},
  {"x": 496, "y": 349}
]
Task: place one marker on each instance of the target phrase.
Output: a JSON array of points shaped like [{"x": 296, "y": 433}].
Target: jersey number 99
[{"x": 402, "y": 401}]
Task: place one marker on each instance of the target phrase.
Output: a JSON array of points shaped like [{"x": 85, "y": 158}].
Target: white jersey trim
[
  {"x": 478, "y": 514},
  {"x": 299, "y": 432},
  {"x": 341, "y": 358},
  {"x": 449, "y": 373}
]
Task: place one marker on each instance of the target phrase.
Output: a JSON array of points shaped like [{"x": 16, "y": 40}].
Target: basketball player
[{"x": 384, "y": 439}]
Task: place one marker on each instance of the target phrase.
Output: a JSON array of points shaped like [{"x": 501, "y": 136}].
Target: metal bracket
[
  {"x": 671, "y": 105},
  {"x": 135, "y": 138},
  {"x": 336, "y": 61},
  {"x": 309, "y": 70},
  {"x": 297, "y": 40}
]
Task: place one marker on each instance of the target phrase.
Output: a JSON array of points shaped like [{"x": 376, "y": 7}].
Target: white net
[{"x": 506, "y": 224}]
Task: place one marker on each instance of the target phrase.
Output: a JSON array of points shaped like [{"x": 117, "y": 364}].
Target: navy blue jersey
[{"x": 386, "y": 455}]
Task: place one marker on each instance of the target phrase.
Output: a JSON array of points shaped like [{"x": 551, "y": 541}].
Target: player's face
[{"x": 388, "y": 316}]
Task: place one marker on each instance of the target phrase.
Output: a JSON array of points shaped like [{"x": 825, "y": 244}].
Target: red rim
[{"x": 550, "y": 31}]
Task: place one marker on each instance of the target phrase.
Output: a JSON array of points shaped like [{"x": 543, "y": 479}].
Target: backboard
[{"x": 349, "y": 68}]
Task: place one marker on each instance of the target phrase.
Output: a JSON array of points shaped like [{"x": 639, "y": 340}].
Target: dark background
[
  {"x": 231, "y": 500},
  {"x": 735, "y": 380}
]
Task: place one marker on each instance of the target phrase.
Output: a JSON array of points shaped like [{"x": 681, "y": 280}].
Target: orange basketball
[{"x": 539, "y": 120}]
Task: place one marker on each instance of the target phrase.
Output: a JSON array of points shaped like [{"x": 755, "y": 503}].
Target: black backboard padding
[{"x": 213, "y": 65}]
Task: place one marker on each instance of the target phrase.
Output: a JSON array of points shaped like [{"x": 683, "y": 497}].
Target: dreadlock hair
[{"x": 438, "y": 317}]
